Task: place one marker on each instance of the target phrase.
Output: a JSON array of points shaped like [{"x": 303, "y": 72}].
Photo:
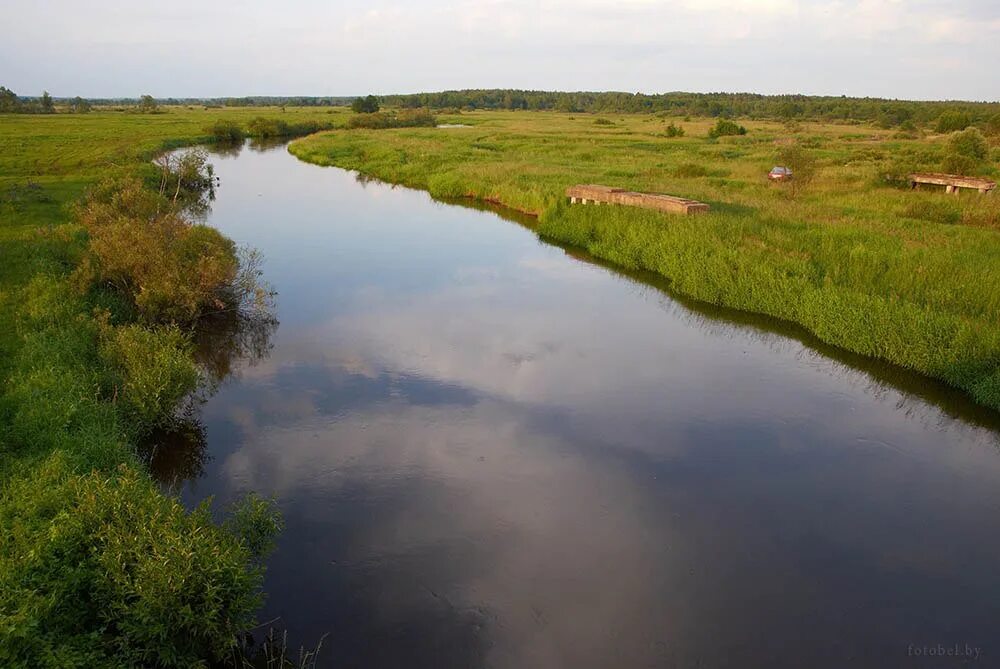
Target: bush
[
  {"x": 724, "y": 127},
  {"x": 952, "y": 121},
  {"x": 967, "y": 151},
  {"x": 385, "y": 120},
  {"x": 970, "y": 143},
  {"x": 171, "y": 270},
  {"x": 674, "y": 130},
  {"x": 270, "y": 128},
  {"x": 104, "y": 570},
  {"x": 961, "y": 165},
  {"x": 152, "y": 371},
  {"x": 801, "y": 162},
  {"x": 226, "y": 131},
  {"x": 603, "y": 121}
]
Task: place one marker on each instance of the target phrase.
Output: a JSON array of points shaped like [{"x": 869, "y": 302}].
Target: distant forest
[{"x": 883, "y": 112}]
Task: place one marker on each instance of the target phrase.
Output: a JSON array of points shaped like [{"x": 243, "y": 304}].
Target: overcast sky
[{"x": 924, "y": 49}]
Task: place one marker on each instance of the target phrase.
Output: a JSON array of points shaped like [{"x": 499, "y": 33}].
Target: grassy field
[{"x": 908, "y": 277}]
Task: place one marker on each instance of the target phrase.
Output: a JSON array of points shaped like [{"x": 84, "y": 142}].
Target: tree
[
  {"x": 147, "y": 104},
  {"x": 9, "y": 102},
  {"x": 365, "y": 105},
  {"x": 46, "y": 103},
  {"x": 801, "y": 162},
  {"x": 79, "y": 105}
]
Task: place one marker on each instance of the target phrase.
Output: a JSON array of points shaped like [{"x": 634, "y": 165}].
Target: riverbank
[
  {"x": 98, "y": 567},
  {"x": 905, "y": 277}
]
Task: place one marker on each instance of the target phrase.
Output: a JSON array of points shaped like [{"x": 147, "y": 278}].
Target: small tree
[
  {"x": 79, "y": 105},
  {"x": 147, "y": 104},
  {"x": 46, "y": 103},
  {"x": 801, "y": 162},
  {"x": 365, "y": 105}
]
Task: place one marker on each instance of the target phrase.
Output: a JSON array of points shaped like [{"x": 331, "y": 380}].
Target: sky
[{"x": 915, "y": 49}]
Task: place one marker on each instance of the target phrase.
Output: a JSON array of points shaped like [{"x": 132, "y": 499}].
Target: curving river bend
[{"x": 490, "y": 453}]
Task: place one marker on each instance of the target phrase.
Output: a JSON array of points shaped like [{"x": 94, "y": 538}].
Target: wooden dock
[
  {"x": 952, "y": 182},
  {"x": 595, "y": 194}
]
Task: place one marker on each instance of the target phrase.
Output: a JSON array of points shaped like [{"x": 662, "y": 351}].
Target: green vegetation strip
[
  {"x": 98, "y": 567},
  {"x": 911, "y": 277}
]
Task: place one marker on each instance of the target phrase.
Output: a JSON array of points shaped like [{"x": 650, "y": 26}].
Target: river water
[{"x": 491, "y": 452}]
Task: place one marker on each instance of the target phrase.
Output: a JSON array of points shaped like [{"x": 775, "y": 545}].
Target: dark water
[{"x": 492, "y": 454}]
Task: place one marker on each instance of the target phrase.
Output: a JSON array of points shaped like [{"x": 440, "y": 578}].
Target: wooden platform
[
  {"x": 952, "y": 182},
  {"x": 595, "y": 194}
]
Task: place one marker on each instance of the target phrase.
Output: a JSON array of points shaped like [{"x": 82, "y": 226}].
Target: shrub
[
  {"x": 724, "y": 127},
  {"x": 802, "y": 164},
  {"x": 384, "y": 120},
  {"x": 152, "y": 372},
  {"x": 269, "y": 128},
  {"x": 104, "y": 570},
  {"x": 970, "y": 143},
  {"x": 266, "y": 128},
  {"x": 603, "y": 121},
  {"x": 171, "y": 270},
  {"x": 226, "y": 131},
  {"x": 674, "y": 130},
  {"x": 961, "y": 165},
  {"x": 967, "y": 151},
  {"x": 952, "y": 121}
]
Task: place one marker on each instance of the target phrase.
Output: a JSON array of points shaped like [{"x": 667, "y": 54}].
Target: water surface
[{"x": 490, "y": 453}]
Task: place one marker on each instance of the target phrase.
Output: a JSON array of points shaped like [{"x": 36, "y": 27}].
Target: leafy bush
[
  {"x": 724, "y": 127},
  {"x": 152, "y": 372},
  {"x": 603, "y": 121},
  {"x": 171, "y": 270},
  {"x": 961, "y": 165},
  {"x": 674, "y": 130},
  {"x": 967, "y": 151},
  {"x": 801, "y": 162},
  {"x": 971, "y": 143},
  {"x": 384, "y": 120},
  {"x": 269, "y": 128},
  {"x": 99, "y": 570},
  {"x": 226, "y": 131},
  {"x": 952, "y": 121}
]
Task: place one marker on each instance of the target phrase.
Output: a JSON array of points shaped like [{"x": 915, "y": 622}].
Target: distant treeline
[
  {"x": 888, "y": 113},
  {"x": 884, "y": 112}
]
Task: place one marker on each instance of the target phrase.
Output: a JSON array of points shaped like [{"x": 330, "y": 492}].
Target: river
[{"x": 490, "y": 452}]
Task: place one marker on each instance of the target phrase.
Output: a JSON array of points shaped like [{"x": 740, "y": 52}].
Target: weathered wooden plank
[
  {"x": 609, "y": 195},
  {"x": 952, "y": 181}
]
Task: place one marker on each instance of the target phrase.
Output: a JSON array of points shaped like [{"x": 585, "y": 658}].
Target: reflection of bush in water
[
  {"x": 227, "y": 338},
  {"x": 176, "y": 453}
]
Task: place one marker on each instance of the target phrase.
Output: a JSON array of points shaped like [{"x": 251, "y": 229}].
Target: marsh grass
[{"x": 907, "y": 277}]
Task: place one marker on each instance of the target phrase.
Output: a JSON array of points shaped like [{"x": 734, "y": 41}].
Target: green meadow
[{"x": 853, "y": 256}]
